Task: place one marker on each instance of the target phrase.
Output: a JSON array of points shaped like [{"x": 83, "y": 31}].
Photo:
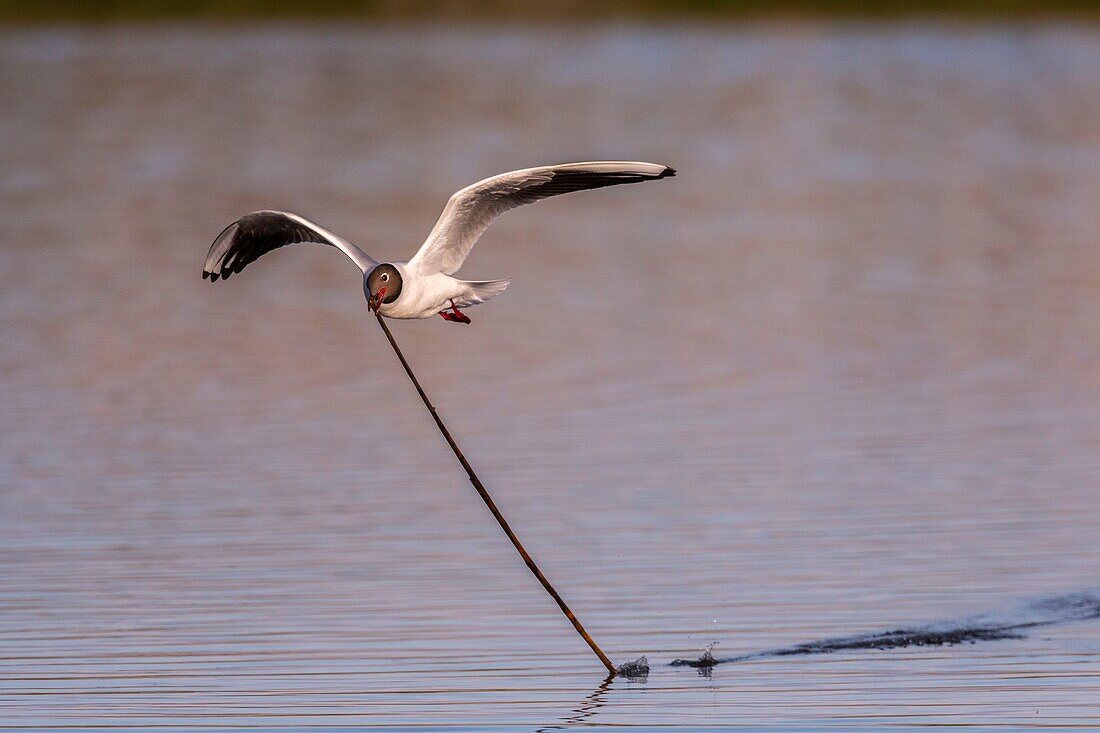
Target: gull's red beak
[{"x": 376, "y": 302}]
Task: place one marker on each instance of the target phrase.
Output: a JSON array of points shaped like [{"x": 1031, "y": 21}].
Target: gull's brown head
[{"x": 382, "y": 285}]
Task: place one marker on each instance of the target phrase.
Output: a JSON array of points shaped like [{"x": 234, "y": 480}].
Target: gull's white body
[
  {"x": 426, "y": 285},
  {"x": 424, "y": 296}
]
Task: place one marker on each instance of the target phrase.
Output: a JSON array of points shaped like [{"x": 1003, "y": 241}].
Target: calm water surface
[{"x": 840, "y": 377}]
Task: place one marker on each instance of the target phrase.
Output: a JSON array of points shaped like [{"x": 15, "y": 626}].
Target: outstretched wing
[
  {"x": 470, "y": 211},
  {"x": 256, "y": 234}
]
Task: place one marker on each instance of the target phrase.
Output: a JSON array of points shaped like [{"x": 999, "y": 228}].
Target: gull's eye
[{"x": 385, "y": 277}]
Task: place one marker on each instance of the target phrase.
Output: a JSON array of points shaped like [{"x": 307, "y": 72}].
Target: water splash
[
  {"x": 988, "y": 627},
  {"x": 706, "y": 660},
  {"x": 637, "y": 670}
]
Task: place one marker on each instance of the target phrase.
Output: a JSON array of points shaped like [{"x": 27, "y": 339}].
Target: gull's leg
[{"x": 454, "y": 315}]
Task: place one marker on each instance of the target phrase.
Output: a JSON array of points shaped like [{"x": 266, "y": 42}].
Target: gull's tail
[{"x": 479, "y": 292}]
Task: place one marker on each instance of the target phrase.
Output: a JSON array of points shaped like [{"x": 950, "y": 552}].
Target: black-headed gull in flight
[{"x": 423, "y": 286}]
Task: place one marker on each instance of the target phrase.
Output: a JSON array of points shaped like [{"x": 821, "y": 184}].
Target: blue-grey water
[{"x": 829, "y": 398}]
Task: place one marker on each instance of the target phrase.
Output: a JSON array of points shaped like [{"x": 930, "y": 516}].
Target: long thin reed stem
[{"x": 492, "y": 505}]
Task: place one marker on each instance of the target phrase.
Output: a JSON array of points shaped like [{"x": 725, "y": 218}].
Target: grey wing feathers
[
  {"x": 260, "y": 232},
  {"x": 470, "y": 211}
]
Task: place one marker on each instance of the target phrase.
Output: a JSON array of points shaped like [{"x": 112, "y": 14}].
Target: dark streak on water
[{"x": 1046, "y": 612}]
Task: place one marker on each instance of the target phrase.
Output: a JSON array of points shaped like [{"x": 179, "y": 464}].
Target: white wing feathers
[
  {"x": 256, "y": 234},
  {"x": 470, "y": 211},
  {"x": 479, "y": 292}
]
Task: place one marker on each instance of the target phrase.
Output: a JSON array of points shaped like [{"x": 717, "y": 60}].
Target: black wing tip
[{"x": 668, "y": 172}]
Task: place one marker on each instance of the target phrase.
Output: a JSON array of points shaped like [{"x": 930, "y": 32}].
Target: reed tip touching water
[{"x": 423, "y": 287}]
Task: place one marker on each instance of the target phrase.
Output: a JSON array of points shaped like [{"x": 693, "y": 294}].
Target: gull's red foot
[
  {"x": 456, "y": 317},
  {"x": 454, "y": 314}
]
